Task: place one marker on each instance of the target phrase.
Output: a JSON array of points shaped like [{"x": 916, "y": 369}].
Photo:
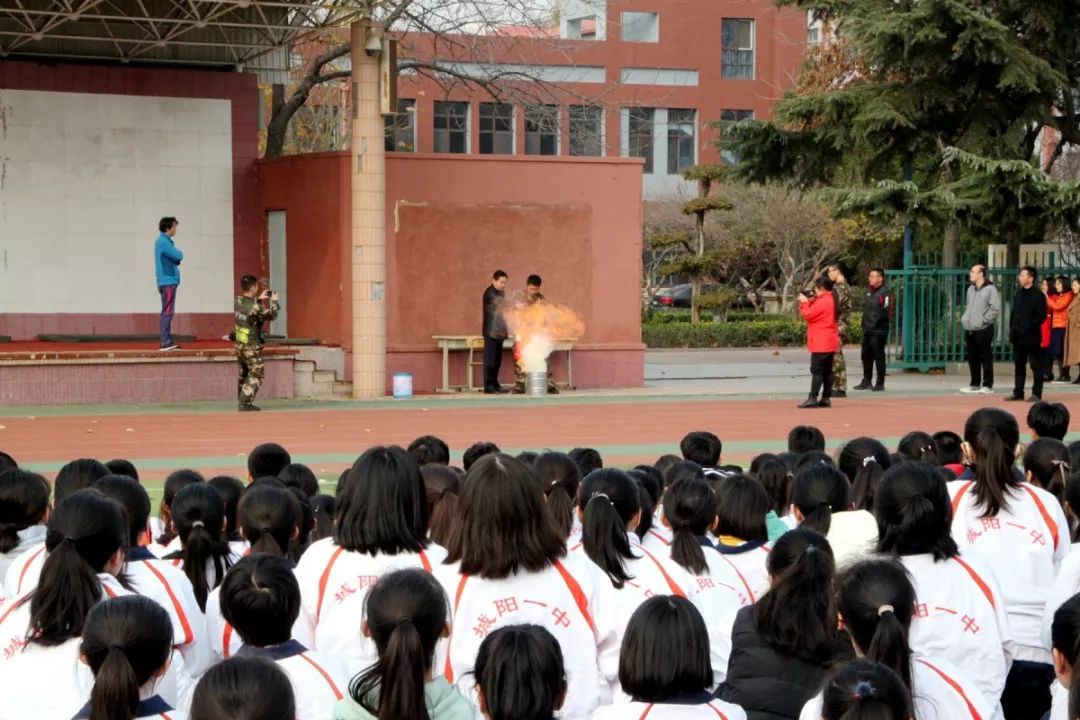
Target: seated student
[
  {"x": 127, "y": 643},
  {"x": 260, "y": 599},
  {"x": 1048, "y": 420},
  {"x": 863, "y": 461},
  {"x": 323, "y": 510},
  {"x": 429, "y": 449},
  {"x": 1046, "y": 465},
  {"x": 664, "y": 665},
  {"x": 120, "y": 466},
  {"x": 1065, "y": 637},
  {"x": 741, "y": 534},
  {"x": 587, "y": 459},
  {"x": 649, "y": 485},
  {"x": 702, "y": 448},
  {"x": 406, "y": 614},
  {"x": 950, "y": 451},
  {"x": 658, "y": 541},
  {"x": 559, "y": 478},
  {"x": 775, "y": 477},
  {"x": 198, "y": 518},
  {"x": 520, "y": 674},
  {"x": 821, "y": 501},
  {"x": 864, "y": 690},
  {"x": 75, "y": 476},
  {"x": 1067, "y": 582},
  {"x": 267, "y": 460},
  {"x": 805, "y": 438},
  {"x": 24, "y": 508},
  {"x": 919, "y": 446},
  {"x": 476, "y": 451},
  {"x": 300, "y": 476},
  {"x": 163, "y": 537},
  {"x": 244, "y": 688},
  {"x": 231, "y": 490},
  {"x": 442, "y": 486}
]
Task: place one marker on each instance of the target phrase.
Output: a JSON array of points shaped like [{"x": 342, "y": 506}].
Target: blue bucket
[{"x": 402, "y": 386}]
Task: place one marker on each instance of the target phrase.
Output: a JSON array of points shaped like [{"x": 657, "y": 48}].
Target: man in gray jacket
[{"x": 979, "y": 321}]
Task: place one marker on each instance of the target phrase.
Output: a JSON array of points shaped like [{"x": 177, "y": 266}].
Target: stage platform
[{"x": 47, "y": 373}]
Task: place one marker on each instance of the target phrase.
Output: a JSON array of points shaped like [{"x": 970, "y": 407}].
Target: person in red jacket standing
[{"x": 822, "y": 339}]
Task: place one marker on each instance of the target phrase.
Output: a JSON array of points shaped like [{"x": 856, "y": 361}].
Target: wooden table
[{"x": 472, "y": 343}]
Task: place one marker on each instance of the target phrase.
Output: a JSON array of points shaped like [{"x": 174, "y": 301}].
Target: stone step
[
  {"x": 343, "y": 389},
  {"x": 324, "y": 376}
]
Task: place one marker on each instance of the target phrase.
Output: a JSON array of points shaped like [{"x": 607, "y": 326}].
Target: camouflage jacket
[
  {"x": 521, "y": 297},
  {"x": 843, "y": 294},
  {"x": 250, "y": 315}
]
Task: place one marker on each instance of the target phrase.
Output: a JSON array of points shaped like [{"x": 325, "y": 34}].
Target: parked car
[{"x": 677, "y": 296}]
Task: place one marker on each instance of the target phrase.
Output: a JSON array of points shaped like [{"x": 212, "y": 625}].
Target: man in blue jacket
[{"x": 167, "y": 259}]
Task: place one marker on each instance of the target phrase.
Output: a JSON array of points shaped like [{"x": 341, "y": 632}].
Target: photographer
[
  {"x": 250, "y": 316},
  {"x": 820, "y": 310}
]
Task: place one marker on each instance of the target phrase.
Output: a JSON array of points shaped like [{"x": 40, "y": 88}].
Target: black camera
[{"x": 808, "y": 293}]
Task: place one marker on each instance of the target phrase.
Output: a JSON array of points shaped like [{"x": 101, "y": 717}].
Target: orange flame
[{"x": 538, "y": 327}]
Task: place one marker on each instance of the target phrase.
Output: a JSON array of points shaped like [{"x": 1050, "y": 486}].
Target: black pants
[
  {"x": 821, "y": 372},
  {"x": 980, "y": 353},
  {"x": 1024, "y": 355},
  {"x": 493, "y": 352},
  {"x": 873, "y": 354},
  {"x": 1027, "y": 690}
]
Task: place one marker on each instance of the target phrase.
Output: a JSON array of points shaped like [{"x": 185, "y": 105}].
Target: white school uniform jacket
[
  {"x": 960, "y": 617},
  {"x": 1065, "y": 586},
  {"x": 1059, "y": 701},
  {"x": 658, "y": 539},
  {"x": 225, "y": 642},
  {"x": 318, "y": 680},
  {"x": 749, "y": 561},
  {"x": 1023, "y": 545},
  {"x": 23, "y": 572},
  {"x": 704, "y": 707},
  {"x": 29, "y": 538},
  {"x": 333, "y": 585},
  {"x": 563, "y": 598},
  {"x": 940, "y": 691},
  {"x": 153, "y": 707},
  {"x": 852, "y": 536}
]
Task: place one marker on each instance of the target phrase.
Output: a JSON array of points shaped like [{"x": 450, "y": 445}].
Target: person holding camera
[
  {"x": 250, "y": 315},
  {"x": 821, "y": 311}
]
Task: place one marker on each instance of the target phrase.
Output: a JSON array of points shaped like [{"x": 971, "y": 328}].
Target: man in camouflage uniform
[
  {"x": 843, "y": 296},
  {"x": 531, "y": 295},
  {"x": 250, "y": 316}
]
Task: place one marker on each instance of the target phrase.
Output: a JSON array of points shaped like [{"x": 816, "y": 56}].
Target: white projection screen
[{"x": 84, "y": 179}]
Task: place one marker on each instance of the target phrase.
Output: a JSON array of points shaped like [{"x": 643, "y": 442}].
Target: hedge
[{"x": 770, "y": 332}]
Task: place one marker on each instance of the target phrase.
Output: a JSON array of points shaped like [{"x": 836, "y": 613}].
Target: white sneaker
[
  {"x": 986, "y": 390},
  {"x": 969, "y": 390}
]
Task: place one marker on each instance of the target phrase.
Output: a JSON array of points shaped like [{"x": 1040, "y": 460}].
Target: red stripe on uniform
[
  {"x": 226, "y": 640},
  {"x": 424, "y": 561},
  {"x": 659, "y": 537},
  {"x": 960, "y": 495},
  {"x": 675, "y": 589},
  {"x": 448, "y": 671},
  {"x": 108, "y": 590},
  {"x": 188, "y": 635},
  {"x": 1045, "y": 515},
  {"x": 648, "y": 709},
  {"x": 716, "y": 710},
  {"x": 955, "y": 686},
  {"x": 746, "y": 585},
  {"x": 978, "y": 581},
  {"x": 326, "y": 676},
  {"x": 29, "y": 561},
  {"x": 325, "y": 578},
  {"x": 579, "y": 596}
]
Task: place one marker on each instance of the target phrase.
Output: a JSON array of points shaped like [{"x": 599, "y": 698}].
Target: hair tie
[
  {"x": 1061, "y": 464},
  {"x": 403, "y": 621},
  {"x": 864, "y": 691},
  {"x": 197, "y": 523},
  {"x": 884, "y": 609},
  {"x": 69, "y": 539},
  {"x": 810, "y": 549},
  {"x": 868, "y": 459},
  {"x": 928, "y": 448},
  {"x": 114, "y": 646},
  {"x": 598, "y": 495}
]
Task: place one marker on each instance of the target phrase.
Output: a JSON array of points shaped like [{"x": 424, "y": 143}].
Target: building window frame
[
  {"x": 542, "y": 129},
  {"x": 496, "y": 129},
  {"x": 586, "y": 130},
  {"x": 681, "y": 139},
  {"x": 453, "y": 135},
  {"x": 641, "y": 135},
  {"x": 728, "y": 117},
  {"x": 400, "y": 127},
  {"x": 738, "y": 55}
]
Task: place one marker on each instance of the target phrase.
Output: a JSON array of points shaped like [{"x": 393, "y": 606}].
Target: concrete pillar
[{"x": 368, "y": 224}]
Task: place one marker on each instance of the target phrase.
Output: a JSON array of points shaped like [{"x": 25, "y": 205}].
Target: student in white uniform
[
  {"x": 775, "y": 477},
  {"x": 658, "y": 539},
  {"x": 741, "y": 534},
  {"x": 508, "y": 565},
  {"x": 244, "y": 688},
  {"x": 1065, "y": 637},
  {"x": 231, "y": 490},
  {"x": 1046, "y": 465},
  {"x": 406, "y": 614},
  {"x": 1020, "y": 532},
  {"x": 161, "y": 533},
  {"x": 559, "y": 479},
  {"x": 520, "y": 674},
  {"x": 960, "y": 616},
  {"x": 127, "y": 643},
  {"x": 260, "y": 598},
  {"x": 865, "y": 690},
  {"x": 821, "y": 501},
  {"x": 863, "y": 461},
  {"x": 40, "y": 672},
  {"x": 24, "y": 508},
  {"x": 665, "y": 666},
  {"x": 1067, "y": 582},
  {"x": 442, "y": 485},
  {"x": 158, "y": 579},
  {"x": 382, "y": 526},
  {"x": 198, "y": 517}
]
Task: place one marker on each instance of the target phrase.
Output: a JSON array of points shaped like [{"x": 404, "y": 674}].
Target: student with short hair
[
  {"x": 231, "y": 490},
  {"x": 703, "y": 448},
  {"x": 804, "y": 439},
  {"x": 1065, "y": 643},
  {"x": 244, "y": 688},
  {"x": 429, "y": 449},
  {"x": 163, "y": 538},
  {"x": 520, "y": 674},
  {"x": 1048, "y": 420},
  {"x": 587, "y": 459},
  {"x": 77, "y": 475},
  {"x": 126, "y": 643},
  {"x": 950, "y": 451},
  {"x": 300, "y": 476},
  {"x": 120, "y": 466},
  {"x": 198, "y": 518},
  {"x": 864, "y": 690},
  {"x": 665, "y": 666},
  {"x": 24, "y": 508},
  {"x": 382, "y": 525},
  {"x": 559, "y": 479},
  {"x": 741, "y": 534},
  {"x": 821, "y": 501},
  {"x": 476, "y": 451},
  {"x": 323, "y": 510},
  {"x": 267, "y": 460},
  {"x": 863, "y": 461}
]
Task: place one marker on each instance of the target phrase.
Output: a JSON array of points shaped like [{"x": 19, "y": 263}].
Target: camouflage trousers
[
  {"x": 839, "y": 372},
  {"x": 250, "y": 359}
]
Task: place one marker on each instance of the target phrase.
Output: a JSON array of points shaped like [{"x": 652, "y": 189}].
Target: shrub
[{"x": 767, "y": 331}]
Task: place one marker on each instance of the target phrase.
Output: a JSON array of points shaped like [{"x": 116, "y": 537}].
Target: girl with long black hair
[
  {"x": 821, "y": 501},
  {"x": 24, "y": 508},
  {"x": 198, "y": 518}
]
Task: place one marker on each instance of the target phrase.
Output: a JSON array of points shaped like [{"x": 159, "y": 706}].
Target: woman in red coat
[{"x": 822, "y": 339}]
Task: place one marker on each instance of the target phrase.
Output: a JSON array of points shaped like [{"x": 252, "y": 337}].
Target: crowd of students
[{"x": 933, "y": 583}]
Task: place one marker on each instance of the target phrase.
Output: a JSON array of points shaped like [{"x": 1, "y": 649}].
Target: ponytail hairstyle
[
  {"x": 774, "y": 476},
  {"x": 120, "y": 466},
  {"x": 741, "y": 506},
  {"x": 24, "y": 502},
  {"x": 609, "y": 500},
  {"x": 647, "y": 486},
  {"x": 244, "y": 688},
  {"x": 653, "y": 482},
  {"x": 176, "y": 482},
  {"x": 690, "y": 509},
  {"x": 914, "y": 512},
  {"x": 198, "y": 515},
  {"x": 300, "y": 476},
  {"x": 85, "y": 532},
  {"x": 877, "y": 600},
  {"x": 323, "y": 509},
  {"x": 948, "y": 446},
  {"x": 77, "y": 475},
  {"x": 665, "y": 651},
  {"x": 560, "y": 478},
  {"x": 817, "y": 491},
  {"x": 681, "y": 470},
  {"x": 383, "y": 509},
  {"x": 863, "y": 461},
  {"x": 442, "y": 486},
  {"x": 865, "y": 690},
  {"x": 1065, "y": 632},
  {"x": 919, "y": 446},
  {"x": 127, "y": 641},
  {"x": 797, "y": 615},
  {"x": 405, "y": 614},
  {"x": 270, "y": 519},
  {"x": 993, "y": 435},
  {"x": 231, "y": 490},
  {"x": 1048, "y": 462},
  {"x": 260, "y": 598},
  {"x": 520, "y": 674}
]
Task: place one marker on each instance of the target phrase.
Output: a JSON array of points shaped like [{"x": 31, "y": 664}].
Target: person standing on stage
[
  {"x": 979, "y": 322},
  {"x": 167, "y": 259},
  {"x": 1025, "y": 334},
  {"x": 250, "y": 316},
  {"x": 877, "y": 311},
  {"x": 494, "y": 332},
  {"x": 843, "y": 299}
]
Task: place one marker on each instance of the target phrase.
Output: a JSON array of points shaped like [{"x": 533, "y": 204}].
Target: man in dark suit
[
  {"x": 494, "y": 332},
  {"x": 1025, "y": 334}
]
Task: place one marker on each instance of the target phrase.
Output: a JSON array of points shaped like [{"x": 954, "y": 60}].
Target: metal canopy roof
[{"x": 211, "y": 32}]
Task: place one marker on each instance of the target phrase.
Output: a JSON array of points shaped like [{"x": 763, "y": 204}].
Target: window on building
[
  {"x": 451, "y": 122},
  {"x": 728, "y": 118},
  {"x": 496, "y": 129},
  {"x": 640, "y": 133},
  {"x": 640, "y": 27},
  {"x": 401, "y": 127},
  {"x": 582, "y": 28},
  {"x": 738, "y": 49},
  {"x": 586, "y": 130},
  {"x": 542, "y": 130},
  {"x": 681, "y": 144}
]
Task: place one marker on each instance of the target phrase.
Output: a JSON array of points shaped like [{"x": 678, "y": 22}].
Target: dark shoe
[
  {"x": 168, "y": 348},
  {"x": 502, "y": 390},
  {"x": 825, "y": 402},
  {"x": 1015, "y": 397},
  {"x": 839, "y": 394},
  {"x": 491, "y": 391},
  {"x": 249, "y": 408},
  {"x": 553, "y": 390},
  {"x": 864, "y": 385},
  {"x": 878, "y": 388},
  {"x": 1035, "y": 398},
  {"x": 1076, "y": 381},
  {"x": 809, "y": 403}
]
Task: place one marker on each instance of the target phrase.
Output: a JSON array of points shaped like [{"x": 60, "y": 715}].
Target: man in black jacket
[
  {"x": 494, "y": 332},
  {"x": 1025, "y": 334},
  {"x": 877, "y": 310}
]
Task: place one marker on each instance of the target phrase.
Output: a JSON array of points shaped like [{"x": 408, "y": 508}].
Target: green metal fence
[{"x": 925, "y": 331}]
